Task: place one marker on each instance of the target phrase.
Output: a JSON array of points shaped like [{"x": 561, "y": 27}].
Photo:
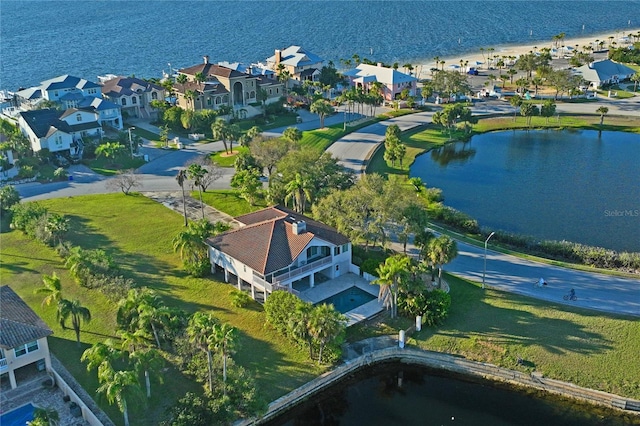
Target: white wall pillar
[
  {"x": 12, "y": 379},
  {"x": 226, "y": 275},
  {"x": 239, "y": 283},
  {"x": 312, "y": 280},
  {"x": 253, "y": 291},
  {"x": 265, "y": 294}
]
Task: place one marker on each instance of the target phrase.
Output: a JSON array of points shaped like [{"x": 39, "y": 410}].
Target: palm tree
[
  {"x": 441, "y": 250},
  {"x": 603, "y": 110},
  {"x": 45, "y": 417},
  {"x": 52, "y": 288},
  {"x": 325, "y": 324},
  {"x": 181, "y": 177},
  {"x": 292, "y": 134},
  {"x": 299, "y": 324},
  {"x": 322, "y": 108},
  {"x": 190, "y": 242},
  {"x": 101, "y": 356},
  {"x": 148, "y": 361},
  {"x": 200, "y": 330},
  {"x": 224, "y": 340},
  {"x": 390, "y": 273},
  {"x": 220, "y": 130},
  {"x": 154, "y": 317},
  {"x": 635, "y": 78},
  {"x": 298, "y": 189},
  {"x": 77, "y": 312},
  {"x": 196, "y": 173},
  {"x": 57, "y": 225},
  {"x": 117, "y": 387}
]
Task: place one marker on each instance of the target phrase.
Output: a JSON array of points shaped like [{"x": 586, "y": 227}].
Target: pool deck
[{"x": 332, "y": 287}]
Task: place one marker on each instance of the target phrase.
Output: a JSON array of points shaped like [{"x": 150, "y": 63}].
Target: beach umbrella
[
  {"x": 454, "y": 66},
  {"x": 478, "y": 63}
]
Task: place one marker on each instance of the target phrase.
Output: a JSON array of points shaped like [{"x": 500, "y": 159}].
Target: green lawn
[
  {"x": 137, "y": 232},
  {"x": 583, "y": 347},
  {"x": 224, "y": 160},
  {"x": 110, "y": 167},
  {"x": 229, "y": 202}
]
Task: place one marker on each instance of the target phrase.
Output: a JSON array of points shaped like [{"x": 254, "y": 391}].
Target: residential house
[
  {"x": 604, "y": 72},
  {"x": 23, "y": 336},
  {"x": 58, "y": 131},
  {"x": 57, "y": 89},
  {"x": 276, "y": 248},
  {"x": 134, "y": 95},
  {"x": 267, "y": 79},
  {"x": 392, "y": 82},
  {"x": 300, "y": 63}
]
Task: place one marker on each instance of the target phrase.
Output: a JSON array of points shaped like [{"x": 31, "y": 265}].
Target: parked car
[{"x": 472, "y": 71}]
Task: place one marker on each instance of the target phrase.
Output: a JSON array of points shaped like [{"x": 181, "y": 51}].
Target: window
[
  {"x": 270, "y": 92},
  {"x": 79, "y": 117},
  {"x": 252, "y": 95},
  {"x": 277, "y": 90},
  {"x": 336, "y": 251},
  {"x": 154, "y": 95},
  {"x": 218, "y": 100},
  {"x": 124, "y": 101},
  {"x": 26, "y": 348},
  {"x": 134, "y": 100},
  {"x": 209, "y": 101},
  {"x": 345, "y": 248}
]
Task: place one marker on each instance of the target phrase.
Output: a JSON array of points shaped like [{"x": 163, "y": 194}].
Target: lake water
[
  {"x": 374, "y": 396},
  {"x": 574, "y": 185},
  {"x": 44, "y": 39}
]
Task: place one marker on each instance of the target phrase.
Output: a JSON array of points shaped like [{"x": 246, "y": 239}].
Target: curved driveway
[{"x": 504, "y": 272}]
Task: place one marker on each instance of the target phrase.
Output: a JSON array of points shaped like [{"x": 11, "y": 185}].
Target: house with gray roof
[
  {"x": 276, "y": 248},
  {"x": 391, "y": 81},
  {"x": 57, "y": 89},
  {"x": 300, "y": 63},
  {"x": 604, "y": 72},
  {"x": 58, "y": 131},
  {"x": 23, "y": 336},
  {"x": 132, "y": 94}
]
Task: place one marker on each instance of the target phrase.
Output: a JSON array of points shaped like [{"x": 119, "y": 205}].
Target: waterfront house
[
  {"x": 392, "y": 81},
  {"x": 276, "y": 248},
  {"x": 133, "y": 95},
  {"x": 23, "y": 336},
  {"x": 60, "y": 132},
  {"x": 604, "y": 72},
  {"x": 57, "y": 89},
  {"x": 266, "y": 78},
  {"x": 300, "y": 63}
]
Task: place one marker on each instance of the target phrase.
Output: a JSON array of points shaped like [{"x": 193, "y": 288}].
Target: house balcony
[
  {"x": 3, "y": 365},
  {"x": 295, "y": 272}
]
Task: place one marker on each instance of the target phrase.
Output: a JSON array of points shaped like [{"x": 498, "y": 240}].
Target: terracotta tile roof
[
  {"x": 212, "y": 70},
  {"x": 268, "y": 243},
  {"x": 18, "y": 323}
]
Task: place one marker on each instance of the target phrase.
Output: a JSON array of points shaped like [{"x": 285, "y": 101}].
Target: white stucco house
[
  {"x": 392, "y": 81},
  {"x": 277, "y": 247},
  {"x": 59, "y": 131},
  {"x": 23, "y": 336},
  {"x": 604, "y": 72},
  {"x": 300, "y": 63}
]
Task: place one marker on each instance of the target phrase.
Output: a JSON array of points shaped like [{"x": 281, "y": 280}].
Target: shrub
[
  {"x": 25, "y": 217},
  {"x": 278, "y": 307},
  {"x": 433, "y": 306},
  {"x": 26, "y": 172},
  {"x": 369, "y": 266},
  {"x": 60, "y": 173},
  {"x": 240, "y": 299},
  {"x": 9, "y": 197}
]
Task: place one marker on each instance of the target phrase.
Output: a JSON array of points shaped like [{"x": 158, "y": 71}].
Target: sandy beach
[{"x": 480, "y": 59}]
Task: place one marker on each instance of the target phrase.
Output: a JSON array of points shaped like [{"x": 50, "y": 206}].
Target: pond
[
  {"x": 581, "y": 186},
  {"x": 397, "y": 394}
]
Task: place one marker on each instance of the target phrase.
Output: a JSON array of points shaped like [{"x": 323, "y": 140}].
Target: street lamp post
[
  {"x": 484, "y": 271},
  {"x": 130, "y": 141}
]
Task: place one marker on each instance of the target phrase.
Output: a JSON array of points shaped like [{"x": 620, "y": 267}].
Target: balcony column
[
  {"x": 312, "y": 279},
  {"x": 239, "y": 283},
  {"x": 226, "y": 275},
  {"x": 253, "y": 291}
]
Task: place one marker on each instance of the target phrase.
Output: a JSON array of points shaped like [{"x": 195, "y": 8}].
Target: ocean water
[{"x": 87, "y": 38}]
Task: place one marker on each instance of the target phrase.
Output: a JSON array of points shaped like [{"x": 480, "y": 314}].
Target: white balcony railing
[
  {"x": 294, "y": 273},
  {"x": 3, "y": 364}
]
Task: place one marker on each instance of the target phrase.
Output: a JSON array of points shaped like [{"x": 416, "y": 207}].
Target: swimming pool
[
  {"x": 18, "y": 417},
  {"x": 349, "y": 299}
]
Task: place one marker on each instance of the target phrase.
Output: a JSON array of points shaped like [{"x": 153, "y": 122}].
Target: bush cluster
[
  {"x": 433, "y": 306},
  {"x": 454, "y": 218}
]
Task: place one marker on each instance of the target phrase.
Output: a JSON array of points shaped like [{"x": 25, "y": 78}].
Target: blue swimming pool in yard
[
  {"x": 18, "y": 417},
  {"x": 349, "y": 299}
]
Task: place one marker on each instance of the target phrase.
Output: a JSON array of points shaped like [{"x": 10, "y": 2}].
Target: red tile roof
[{"x": 268, "y": 243}]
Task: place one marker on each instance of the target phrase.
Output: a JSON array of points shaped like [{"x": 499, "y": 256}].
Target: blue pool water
[
  {"x": 348, "y": 299},
  {"x": 18, "y": 417}
]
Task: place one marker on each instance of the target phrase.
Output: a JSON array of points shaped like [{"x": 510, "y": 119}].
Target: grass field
[
  {"x": 229, "y": 202},
  {"x": 137, "y": 232}
]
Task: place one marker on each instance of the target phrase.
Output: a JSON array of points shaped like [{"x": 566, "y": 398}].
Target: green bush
[
  {"x": 278, "y": 308},
  {"x": 433, "y": 306},
  {"x": 370, "y": 265},
  {"x": 240, "y": 299}
]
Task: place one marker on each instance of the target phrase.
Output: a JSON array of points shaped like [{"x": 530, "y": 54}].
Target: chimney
[
  {"x": 278, "y": 56},
  {"x": 380, "y": 64},
  {"x": 299, "y": 227},
  {"x": 206, "y": 59}
]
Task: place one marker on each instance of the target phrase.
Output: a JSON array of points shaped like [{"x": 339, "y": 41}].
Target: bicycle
[
  {"x": 571, "y": 297},
  {"x": 539, "y": 283}
]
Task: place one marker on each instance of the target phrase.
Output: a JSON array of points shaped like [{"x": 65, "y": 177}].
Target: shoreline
[{"x": 515, "y": 50}]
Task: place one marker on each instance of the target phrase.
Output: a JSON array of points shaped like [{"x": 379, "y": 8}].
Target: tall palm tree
[
  {"x": 322, "y": 108},
  {"x": 200, "y": 330},
  {"x": 154, "y": 317},
  {"x": 224, "y": 340},
  {"x": 603, "y": 110},
  {"x": 181, "y": 177},
  {"x": 147, "y": 362},
  {"x": 299, "y": 324},
  {"x": 441, "y": 250},
  {"x": 73, "y": 309},
  {"x": 390, "y": 273},
  {"x": 325, "y": 324},
  {"x": 101, "y": 356},
  {"x": 196, "y": 173},
  {"x": 118, "y": 387},
  {"x": 220, "y": 130},
  {"x": 299, "y": 189},
  {"x": 52, "y": 288}
]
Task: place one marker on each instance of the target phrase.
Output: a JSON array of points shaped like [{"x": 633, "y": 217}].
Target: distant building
[
  {"x": 300, "y": 63},
  {"x": 133, "y": 95},
  {"x": 604, "y": 72},
  {"x": 23, "y": 336},
  {"x": 392, "y": 81}
]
